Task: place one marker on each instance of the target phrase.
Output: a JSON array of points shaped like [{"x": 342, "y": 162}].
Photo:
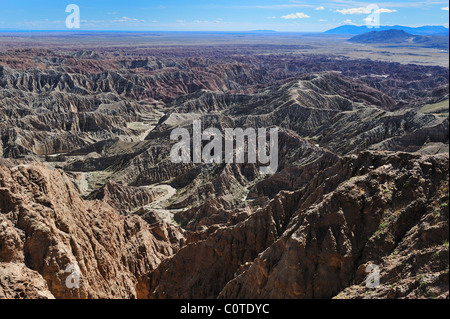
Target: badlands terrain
[{"x": 86, "y": 177}]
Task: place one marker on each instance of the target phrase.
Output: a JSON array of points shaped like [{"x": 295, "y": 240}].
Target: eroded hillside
[{"x": 86, "y": 176}]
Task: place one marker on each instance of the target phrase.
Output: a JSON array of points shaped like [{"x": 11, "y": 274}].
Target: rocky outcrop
[
  {"x": 369, "y": 219},
  {"x": 292, "y": 249},
  {"x": 126, "y": 199},
  {"x": 19, "y": 282},
  {"x": 46, "y": 226},
  {"x": 371, "y": 128}
]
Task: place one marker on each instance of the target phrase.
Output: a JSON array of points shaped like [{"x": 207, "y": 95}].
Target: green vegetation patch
[{"x": 437, "y": 108}]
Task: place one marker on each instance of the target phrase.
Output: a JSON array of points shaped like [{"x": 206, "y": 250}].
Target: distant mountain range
[
  {"x": 401, "y": 37},
  {"x": 388, "y": 36},
  {"x": 355, "y": 30}
]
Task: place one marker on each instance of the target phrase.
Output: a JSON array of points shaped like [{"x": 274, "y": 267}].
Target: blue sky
[{"x": 230, "y": 15}]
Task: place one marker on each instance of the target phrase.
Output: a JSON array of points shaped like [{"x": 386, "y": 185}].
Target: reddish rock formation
[
  {"x": 46, "y": 226},
  {"x": 17, "y": 281}
]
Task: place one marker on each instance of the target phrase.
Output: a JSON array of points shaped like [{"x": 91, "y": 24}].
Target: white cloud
[
  {"x": 361, "y": 10},
  {"x": 127, "y": 19},
  {"x": 320, "y": 8},
  {"x": 219, "y": 20},
  {"x": 444, "y": 9},
  {"x": 323, "y": 20},
  {"x": 364, "y": 10},
  {"x": 348, "y": 21},
  {"x": 298, "y": 15},
  {"x": 384, "y": 10}
]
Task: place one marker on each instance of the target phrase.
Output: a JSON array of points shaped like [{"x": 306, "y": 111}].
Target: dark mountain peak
[
  {"x": 402, "y": 37},
  {"x": 424, "y": 30},
  {"x": 387, "y": 36}
]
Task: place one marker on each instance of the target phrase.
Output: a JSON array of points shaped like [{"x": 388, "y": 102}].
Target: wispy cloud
[
  {"x": 271, "y": 6},
  {"x": 387, "y": 4},
  {"x": 127, "y": 19},
  {"x": 298, "y": 15},
  {"x": 444, "y": 9},
  {"x": 365, "y": 10},
  {"x": 219, "y": 20},
  {"x": 348, "y": 21},
  {"x": 384, "y": 10},
  {"x": 320, "y": 8}
]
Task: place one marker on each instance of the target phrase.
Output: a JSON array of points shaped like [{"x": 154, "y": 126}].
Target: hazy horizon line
[{"x": 205, "y": 31}]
